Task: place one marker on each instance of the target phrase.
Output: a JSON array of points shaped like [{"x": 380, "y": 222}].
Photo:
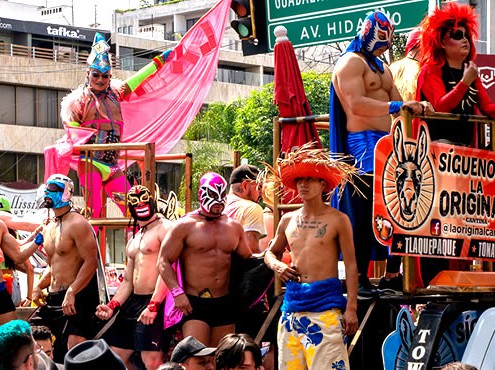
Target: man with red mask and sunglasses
[
  {"x": 204, "y": 241},
  {"x": 70, "y": 276},
  {"x": 362, "y": 98},
  {"x": 96, "y": 105},
  {"x": 139, "y": 325}
]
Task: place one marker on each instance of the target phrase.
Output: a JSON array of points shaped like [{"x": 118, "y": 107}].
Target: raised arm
[
  {"x": 14, "y": 249},
  {"x": 17, "y": 223}
]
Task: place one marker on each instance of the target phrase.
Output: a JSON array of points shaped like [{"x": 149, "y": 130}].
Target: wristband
[
  {"x": 113, "y": 304},
  {"x": 38, "y": 239},
  {"x": 176, "y": 291},
  {"x": 158, "y": 61},
  {"x": 153, "y": 306},
  {"x": 394, "y": 106}
]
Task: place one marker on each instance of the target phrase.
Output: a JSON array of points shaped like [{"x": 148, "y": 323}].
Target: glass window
[
  {"x": 25, "y": 98},
  {"x": 47, "y": 108},
  {"x": 7, "y": 167},
  {"x": 190, "y": 23},
  {"x": 27, "y": 168},
  {"x": 7, "y": 104}
]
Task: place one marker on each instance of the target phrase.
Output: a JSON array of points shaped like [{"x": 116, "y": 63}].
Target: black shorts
[
  {"x": 213, "y": 311},
  {"x": 62, "y": 326},
  {"x": 6, "y": 304},
  {"x": 127, "y": 333}
]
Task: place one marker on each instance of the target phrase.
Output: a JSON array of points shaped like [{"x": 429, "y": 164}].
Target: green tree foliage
[
  {"x": 253, "y": 124},
  {"x": 213, "y": 123},
  {"x": 206, "y": 157},
  {"x": 247, "y": 125}
]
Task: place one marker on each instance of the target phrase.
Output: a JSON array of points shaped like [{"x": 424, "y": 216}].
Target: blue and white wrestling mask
[
  {"x": 376, "y": 31},
  {"x": 58, "y": 191}
]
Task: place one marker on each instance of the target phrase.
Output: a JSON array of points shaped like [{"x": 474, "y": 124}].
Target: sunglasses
[
  {"x": 54, "y": 187},
  {"x": 98, "y": 75},
  {"x": 458, "y": 35}
]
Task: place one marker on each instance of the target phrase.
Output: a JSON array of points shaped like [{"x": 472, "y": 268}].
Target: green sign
[{"x": 317, "y": 22}]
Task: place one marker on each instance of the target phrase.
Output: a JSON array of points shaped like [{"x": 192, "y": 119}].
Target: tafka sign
[{"x": 433, "y": 199}]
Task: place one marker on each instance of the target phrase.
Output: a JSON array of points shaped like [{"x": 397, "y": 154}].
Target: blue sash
[{"x": 319, "y": 296}]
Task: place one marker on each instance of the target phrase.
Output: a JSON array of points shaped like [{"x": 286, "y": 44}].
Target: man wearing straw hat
[{"x": 315, "y": 314}]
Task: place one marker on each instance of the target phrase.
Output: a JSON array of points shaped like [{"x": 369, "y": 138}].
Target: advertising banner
[{"x": 433, "y": 199}]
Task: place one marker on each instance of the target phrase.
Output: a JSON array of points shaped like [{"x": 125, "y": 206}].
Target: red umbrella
[{"x": 289, "y": 95}]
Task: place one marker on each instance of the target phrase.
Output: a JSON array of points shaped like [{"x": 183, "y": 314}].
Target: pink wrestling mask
[{"x": 212, "y": 192}]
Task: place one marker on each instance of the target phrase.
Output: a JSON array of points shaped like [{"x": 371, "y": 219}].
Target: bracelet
[
  {"x": 29, "y": 299},
  {"x": 176, "y": 291},
  {"x": 158, "y": 62},
  {"x": 113, "y": 304},
  {"x": 153, "y": 306},
  {"x": 394, "y": 106}
]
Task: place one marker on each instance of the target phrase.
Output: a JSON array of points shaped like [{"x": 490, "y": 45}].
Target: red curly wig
[{"x": 435, "y": 26}]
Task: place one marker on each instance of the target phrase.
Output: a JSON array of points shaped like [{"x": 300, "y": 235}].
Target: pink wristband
[{"x": 176, "y": 291}]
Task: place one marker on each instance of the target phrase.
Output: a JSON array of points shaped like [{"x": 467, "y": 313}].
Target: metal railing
[{"x": 56, "y": 55}]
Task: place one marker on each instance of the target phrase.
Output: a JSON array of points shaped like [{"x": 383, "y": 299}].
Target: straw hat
[{"x": 316, "y": 163}]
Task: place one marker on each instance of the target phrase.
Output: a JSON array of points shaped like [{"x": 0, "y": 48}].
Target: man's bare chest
[{"x": 300, "y": 230}]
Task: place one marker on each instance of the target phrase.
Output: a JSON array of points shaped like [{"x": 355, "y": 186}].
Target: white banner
[{"x": 22, "y": 201}]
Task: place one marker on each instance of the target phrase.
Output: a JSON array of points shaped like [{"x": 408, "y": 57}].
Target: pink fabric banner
[
  {"x": 161, "y": 109},
  {"x": 163, "y": 106}
]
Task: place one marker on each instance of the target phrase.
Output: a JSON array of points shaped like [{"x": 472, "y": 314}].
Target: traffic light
[
  {"x": 243, "y": 25},
  {"x": 250, "y": 25}
]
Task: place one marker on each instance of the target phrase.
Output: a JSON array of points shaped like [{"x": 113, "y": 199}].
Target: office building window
[
  {"x": 7, "y": 104},
  {"x": 24, "y": 99},
  {"x": 8, "y": 167},
  {"x": 47, "y": 108},
  {"x": 29, "y": 106}
]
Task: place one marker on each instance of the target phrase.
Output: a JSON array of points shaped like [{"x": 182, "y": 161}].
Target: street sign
[{"x": 317, "y": 22}]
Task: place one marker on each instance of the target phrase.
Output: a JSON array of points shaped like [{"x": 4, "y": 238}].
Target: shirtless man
[
  {"x": 139, "y": 325},
  {"x": 70, "y": 276},
  {"x": 363, "y": 89},
  {"x": 12, "y": 248},
  {"x": 204, "y": 241},
  {"x": 312, "y": 325}
]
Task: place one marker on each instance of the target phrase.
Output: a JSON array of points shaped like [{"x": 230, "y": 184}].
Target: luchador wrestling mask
[
  {"x": 58, "y": 191},
  {"x": 141, "y": 204},
  {"x": 212, "y": 191},
  {"x": 376, "y": 31}
]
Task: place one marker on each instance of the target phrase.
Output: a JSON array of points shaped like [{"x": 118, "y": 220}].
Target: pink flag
[{"x": 163, "y": 106}]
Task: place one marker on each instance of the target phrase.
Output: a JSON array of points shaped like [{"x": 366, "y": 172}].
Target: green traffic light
[{"x": 243, "y": 30}]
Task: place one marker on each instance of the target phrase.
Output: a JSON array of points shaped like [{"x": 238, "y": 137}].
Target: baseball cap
[
  {"x": 244, "y": 172},
  {"x": 190, "y": 347}
]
